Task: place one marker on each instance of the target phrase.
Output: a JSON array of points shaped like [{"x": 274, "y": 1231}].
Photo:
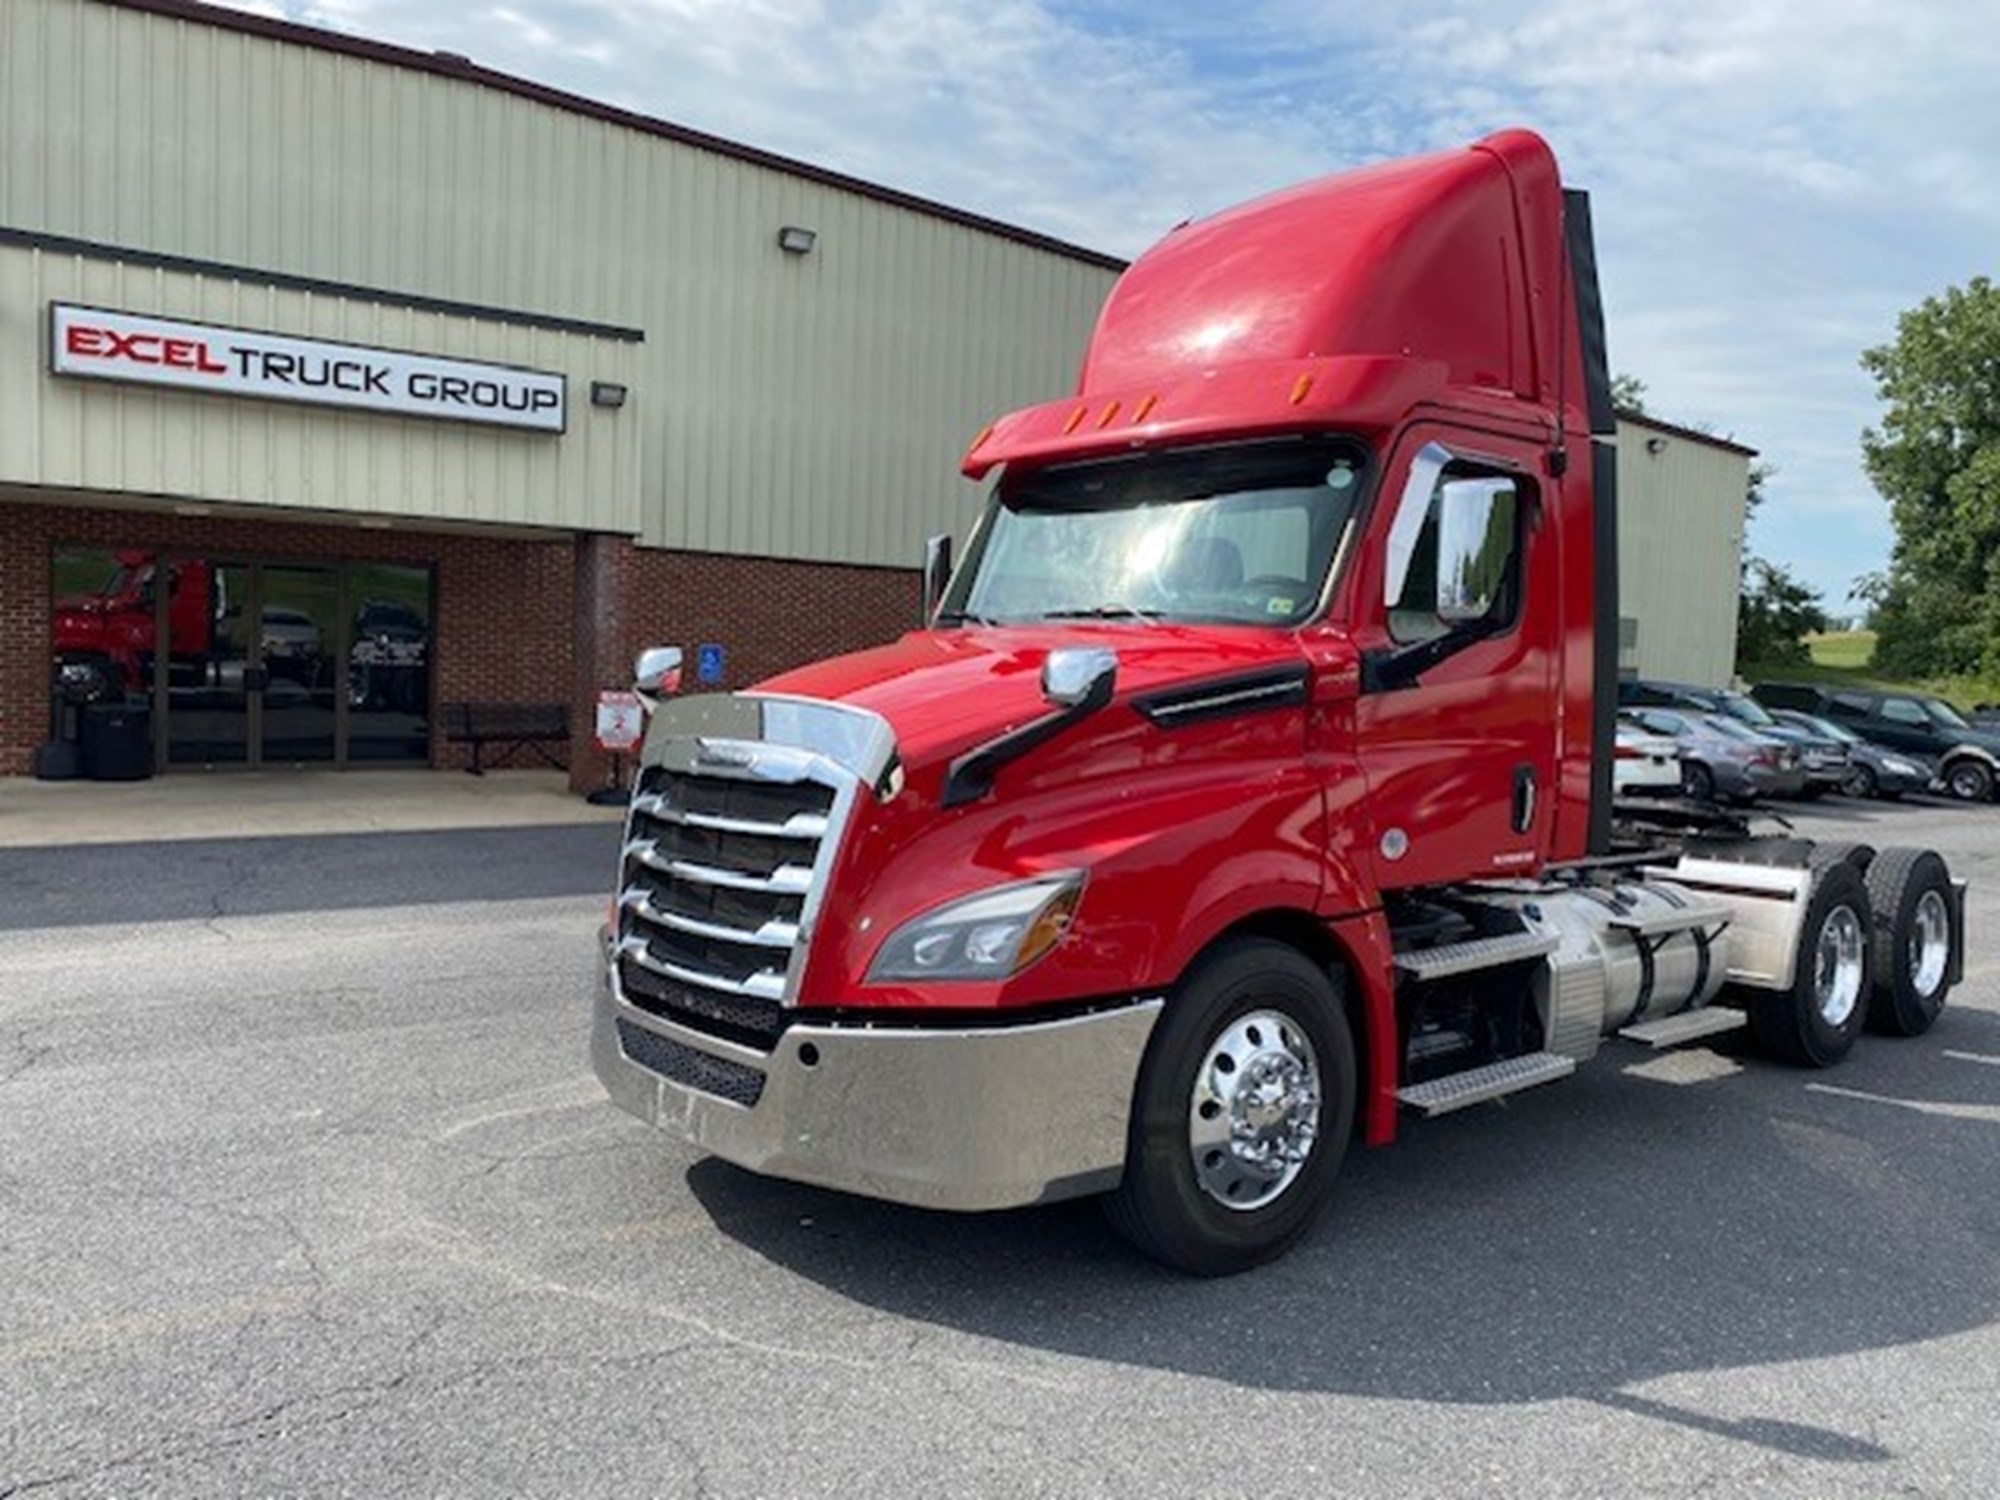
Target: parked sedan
[
  {"x": 1872, "y": 771},
  {"x": 1722, "y": 760}
]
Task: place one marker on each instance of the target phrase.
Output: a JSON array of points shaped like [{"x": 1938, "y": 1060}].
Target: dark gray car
[
  {"x": 1872, "y": 771},
  {"x": 1968, "y": 759}
]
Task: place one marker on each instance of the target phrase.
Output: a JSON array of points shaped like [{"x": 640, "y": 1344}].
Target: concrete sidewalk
[{"x": 249, "y": 804}]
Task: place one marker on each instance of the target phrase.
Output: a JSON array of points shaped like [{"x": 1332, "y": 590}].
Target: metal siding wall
[
  {"x": 1680, "y": 524},
  {"x": 95, "y": 435},
  {"x": 806, "y": 407}
]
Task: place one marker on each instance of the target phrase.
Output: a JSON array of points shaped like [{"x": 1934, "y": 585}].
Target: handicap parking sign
[{"x": 708, "y": 662}]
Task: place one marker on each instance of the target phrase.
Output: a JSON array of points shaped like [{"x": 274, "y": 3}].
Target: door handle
[{"x": 1524, "y": 798}]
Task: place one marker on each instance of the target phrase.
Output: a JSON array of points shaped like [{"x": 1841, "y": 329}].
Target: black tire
[
  {"x": 1909, "y": 992},
  {"x": 1834, "y": 852},
  {"x": 1808, "y": 1024},
  {"x": 1161, "y": 1207},
  {"x": 1697, "y": 781},
  {"x": 1969, "y": 780},
  {"x": 1860, "y": 782}
]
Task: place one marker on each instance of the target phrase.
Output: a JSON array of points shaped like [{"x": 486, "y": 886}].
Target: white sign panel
[
  {"x": 620, "y": 722},
  {"x": 96, "y": 344}
]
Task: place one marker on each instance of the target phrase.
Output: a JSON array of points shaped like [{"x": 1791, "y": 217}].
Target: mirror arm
[
  {"x": 1396, "y": 667},
  {"x": 970, "y": 776}
]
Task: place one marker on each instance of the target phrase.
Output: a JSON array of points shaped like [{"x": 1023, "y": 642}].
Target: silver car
[{"x": 1722, "y": 760}]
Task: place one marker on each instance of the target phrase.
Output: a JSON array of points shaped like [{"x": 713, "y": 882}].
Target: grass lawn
[{"x": 1848, "y": 656}]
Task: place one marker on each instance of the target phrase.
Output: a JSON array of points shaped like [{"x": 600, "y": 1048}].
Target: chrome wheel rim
[
  {"x": 1967, "y": 783},
  {"x": 1253, "y": 1116},
  {"x": 1929, "y": 943},
  {"x": 1837, "y": 966}
]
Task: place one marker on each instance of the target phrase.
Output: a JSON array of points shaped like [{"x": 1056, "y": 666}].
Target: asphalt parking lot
[{"x": 305, "y": 1188}]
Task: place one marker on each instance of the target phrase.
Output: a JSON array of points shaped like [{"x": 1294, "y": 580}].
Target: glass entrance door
[
  {"x": 299, "y": 616},
  {"x": 210, "y": 664}
]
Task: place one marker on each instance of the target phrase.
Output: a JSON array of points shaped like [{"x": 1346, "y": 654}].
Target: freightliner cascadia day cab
[{"x": 1250, "y": 781}]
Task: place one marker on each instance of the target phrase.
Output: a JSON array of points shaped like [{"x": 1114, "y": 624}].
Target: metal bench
[{"x": 508, "y": 727}]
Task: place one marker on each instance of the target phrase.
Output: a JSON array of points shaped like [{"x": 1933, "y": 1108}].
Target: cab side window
[{"x": 1455, "y": 547}]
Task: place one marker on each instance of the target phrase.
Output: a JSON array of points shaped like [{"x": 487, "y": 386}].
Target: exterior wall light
[
  {"x": 607, "y": 393},
  {"x": 794, "y": 240},
  {"x": 1656, "y": 446}
]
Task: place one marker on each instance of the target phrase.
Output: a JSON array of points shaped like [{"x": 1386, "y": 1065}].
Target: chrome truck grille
[{"x": 728, "y": 845}]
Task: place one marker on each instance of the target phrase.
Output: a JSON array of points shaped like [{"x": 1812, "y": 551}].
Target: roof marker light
[
  {"x": 1075, "y": 420},
  {"x": 1109, "y": 412},
  {"x": 1139, "y": 412},
  {"x": 1300, "y": 388}
]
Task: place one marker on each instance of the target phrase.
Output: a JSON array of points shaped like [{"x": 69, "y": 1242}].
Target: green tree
[
  {"x": 1936, "y": 460},
  {"x": 1628, "y": 393},
  {"x": 1773, "y": 612}
]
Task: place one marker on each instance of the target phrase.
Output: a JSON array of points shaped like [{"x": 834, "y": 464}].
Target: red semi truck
[
  {"x": 1251, "y": 781},
  {"x": 105, "y": 642}
]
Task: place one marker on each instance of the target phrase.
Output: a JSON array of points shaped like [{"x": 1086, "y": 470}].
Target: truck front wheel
[{"x": 1244, "y": 1106}]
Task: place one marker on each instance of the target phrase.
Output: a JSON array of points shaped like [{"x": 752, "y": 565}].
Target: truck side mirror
[
  {"x": 937, "y": 573},
  {"x": 656, "y": 675},
  {"x": 1476, "y": 526}
]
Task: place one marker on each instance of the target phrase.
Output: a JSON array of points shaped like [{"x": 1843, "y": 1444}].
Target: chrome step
[
  {"x": 1475, "y": 953},
  {"x": 1671, "y": 1031},
  {"x": 1441, "y": 1096}
]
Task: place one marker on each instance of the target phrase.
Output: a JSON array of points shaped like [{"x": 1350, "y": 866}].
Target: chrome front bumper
[{"x": 964, "y": 1119}]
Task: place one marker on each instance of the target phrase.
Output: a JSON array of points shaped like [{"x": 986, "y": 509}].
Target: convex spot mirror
[
  {"x": 656, "y": 675},
  {"x": 1072, "y": 675}
]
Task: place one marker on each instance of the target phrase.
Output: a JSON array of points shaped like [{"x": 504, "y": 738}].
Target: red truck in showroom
[{"x": 1250, "y": 784}]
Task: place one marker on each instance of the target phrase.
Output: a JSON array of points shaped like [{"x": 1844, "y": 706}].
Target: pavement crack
[{"x": 25, "y": 1053}]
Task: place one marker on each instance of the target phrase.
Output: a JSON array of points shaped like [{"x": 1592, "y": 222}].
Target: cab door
[{"x": 1459, "y": 624}]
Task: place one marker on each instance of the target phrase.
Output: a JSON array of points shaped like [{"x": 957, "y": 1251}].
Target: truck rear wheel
[
  {"x": 1815, "y": 1022},
  {"x": 1243, "y": 1110},
  {"x": 1911, "y": 893}
]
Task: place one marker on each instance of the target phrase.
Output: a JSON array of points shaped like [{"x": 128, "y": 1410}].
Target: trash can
[{"x": 117, "y": 741}]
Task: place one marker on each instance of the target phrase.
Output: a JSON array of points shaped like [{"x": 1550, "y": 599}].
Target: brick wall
[
  {"x": 516, "y": 621},
  {"x": 767, "y": 614}
]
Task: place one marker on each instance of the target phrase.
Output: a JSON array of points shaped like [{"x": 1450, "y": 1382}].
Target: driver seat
[{"x": 1205, "y": 565}]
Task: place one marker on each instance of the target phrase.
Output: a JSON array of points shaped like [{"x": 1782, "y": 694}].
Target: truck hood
[{"x": 944, "y": 691}]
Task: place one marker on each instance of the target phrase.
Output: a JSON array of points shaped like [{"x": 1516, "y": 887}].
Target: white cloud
[{"x": 1773, "y": 185}]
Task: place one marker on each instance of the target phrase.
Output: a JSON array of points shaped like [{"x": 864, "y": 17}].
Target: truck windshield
[{"x": 1236, "y": 535}]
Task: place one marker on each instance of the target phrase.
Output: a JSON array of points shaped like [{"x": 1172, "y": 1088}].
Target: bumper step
[
  {"x": 1441, "y": 1096},
  {"x": 1688, "y": 1026}
]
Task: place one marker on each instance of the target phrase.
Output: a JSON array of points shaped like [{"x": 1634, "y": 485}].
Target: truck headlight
[{"x": 988, "y": 936}]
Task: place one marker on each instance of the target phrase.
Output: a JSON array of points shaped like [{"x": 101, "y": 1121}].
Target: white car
[{"x": 1646, "y": 765}]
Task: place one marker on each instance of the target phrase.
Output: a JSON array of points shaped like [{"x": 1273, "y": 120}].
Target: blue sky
[{"x": 1773, "y": 182}]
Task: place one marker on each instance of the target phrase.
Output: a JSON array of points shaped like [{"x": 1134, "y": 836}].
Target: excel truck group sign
[{"x": 96, "y": 344}]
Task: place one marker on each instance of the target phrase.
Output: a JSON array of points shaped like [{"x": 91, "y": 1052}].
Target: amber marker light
[
  {"x": 1048, "y": 927},
  {"x": 1139, "y": 412},
  {"x": 1109, "y": 412},
  {"x": 1075, "y": 420},
  {"x": 1301, "y": 388}
]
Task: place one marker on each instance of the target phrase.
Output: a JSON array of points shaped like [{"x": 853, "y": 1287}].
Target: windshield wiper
[
  {"x": 1104, "y": 612},
  {"x": 962, "y": 617}
]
